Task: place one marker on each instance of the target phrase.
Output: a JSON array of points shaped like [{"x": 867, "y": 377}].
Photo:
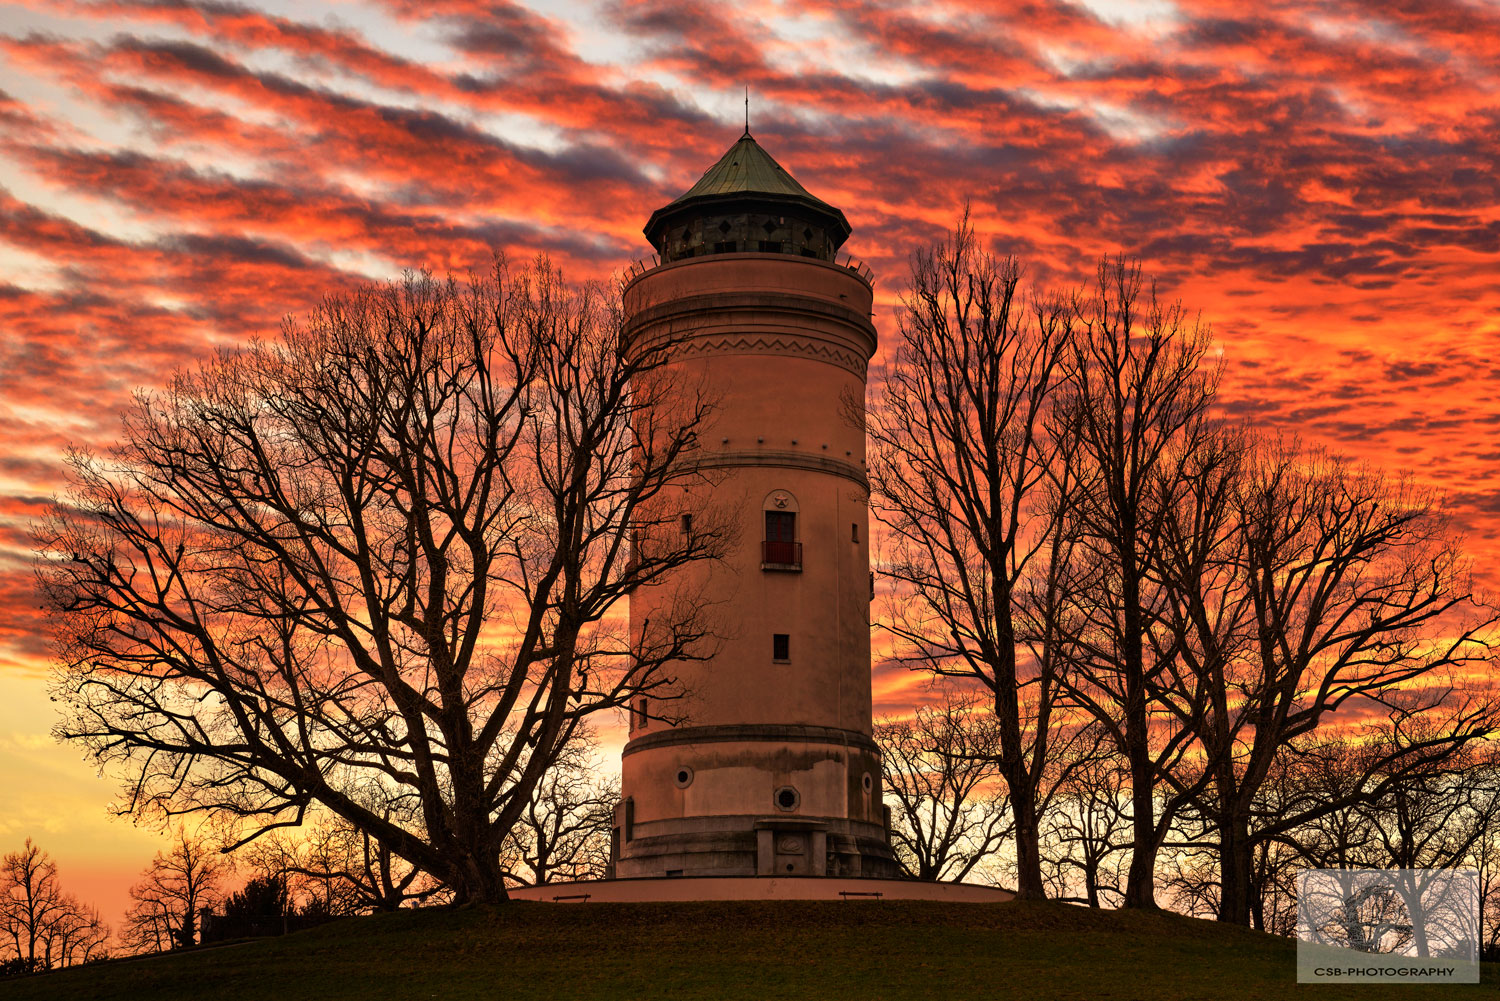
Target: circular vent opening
[
  {"x": 683, "y": 777},
  {"x": 787, "y": 798},
  {"x": 868, "y": 782}
]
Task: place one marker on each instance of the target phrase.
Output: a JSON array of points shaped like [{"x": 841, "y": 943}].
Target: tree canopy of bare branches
[
  {"x": 1138, "y": 402},
  {"x": 337, "y": 869},
  {"x": 564, "y": 832},
  {"x": 42, "y": 927},
  {"x": 180, "y": 882},
  {"x": 378, "y": 559},
  {"x": 969, "y": 486},
  {"x": 950, "y": 815},
  {"x": 1344, "y": 590}
]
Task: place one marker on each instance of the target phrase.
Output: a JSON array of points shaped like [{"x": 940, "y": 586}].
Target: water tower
[{"x": 771, "y": 770}]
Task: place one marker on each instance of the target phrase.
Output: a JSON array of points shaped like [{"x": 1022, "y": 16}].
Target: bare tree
[
  {"x": 1086, "y": 828},
  {"x": 179, "y": 883},
  {"x": 1138, "y": 400},
  {"x": 960, "y": 471},
  {"x": 40, "y": 925},
  {"x": 1484, "y": 856},
  {"x": 377, "y": 561},
  {"x": 564, "y": 832},
  {"x": 1274, "y": 898},
  {"x": 30, "y": 900},
  {"x": 949, "y": 817},
  {"x": 1191, "y": 879},
  {"x": 77, "y": 935},
  {"x": 1354, "y": 597},
  {"x": 1398, "y": 791},
  {"x": 1433, "y": 818},
  {"x": 336, "y": 869}
]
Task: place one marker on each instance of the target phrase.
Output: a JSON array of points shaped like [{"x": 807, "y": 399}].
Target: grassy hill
[{"x": 809, "y": 951}]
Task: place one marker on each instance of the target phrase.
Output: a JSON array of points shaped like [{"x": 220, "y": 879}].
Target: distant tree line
[
  {"x": 195, "y": 892},
  {"x": 1208, "y": 655}
]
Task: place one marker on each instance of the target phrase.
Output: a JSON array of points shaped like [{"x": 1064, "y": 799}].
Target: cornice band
[{"x": 768, "y": 732}]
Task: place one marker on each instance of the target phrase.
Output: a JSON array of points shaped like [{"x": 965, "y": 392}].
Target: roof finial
[{"x": 747, "y": 109}]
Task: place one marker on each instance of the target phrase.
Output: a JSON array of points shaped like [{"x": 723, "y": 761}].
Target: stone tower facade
[{"x": 768, "y": 766}]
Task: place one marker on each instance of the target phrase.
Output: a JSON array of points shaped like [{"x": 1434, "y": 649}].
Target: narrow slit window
[
  {"x": 854, "y": 531},
  {"x": 687, "y": 524},
  {"x": 781, "y": 646}
]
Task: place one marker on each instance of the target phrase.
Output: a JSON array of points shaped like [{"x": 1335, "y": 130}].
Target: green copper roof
[
  {"x": 750, "y": 173},
  {"x": 745, "y": 168}
]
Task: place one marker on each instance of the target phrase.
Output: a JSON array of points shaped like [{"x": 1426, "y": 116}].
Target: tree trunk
[
  {"x": 478, "y": 879},
  {"x": 1140, "y": 881},
  {"x": 1236, "y": 858},
  {"x": 1028, "y": 846},
  {"x": 188, "y": 932},
  {"x": 1013, "y": 758}
]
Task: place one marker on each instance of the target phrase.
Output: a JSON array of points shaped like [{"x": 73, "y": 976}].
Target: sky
[{"x": 1317, "y": 179}]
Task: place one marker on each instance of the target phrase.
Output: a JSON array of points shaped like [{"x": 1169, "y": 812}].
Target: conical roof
[
  {"x": 746, "y": 173},
  {"x": 746, "y": 168}
]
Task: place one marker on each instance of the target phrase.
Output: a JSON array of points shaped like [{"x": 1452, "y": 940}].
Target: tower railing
[
  {"x": 857, "y": 266},
  {"x": 781, "y": 555},
  {"x": 640, "y": 267}
]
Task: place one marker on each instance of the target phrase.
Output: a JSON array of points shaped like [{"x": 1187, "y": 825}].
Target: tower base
[
  {"x": 605, "y": 891},
  {"x": 755, "y": 846}
]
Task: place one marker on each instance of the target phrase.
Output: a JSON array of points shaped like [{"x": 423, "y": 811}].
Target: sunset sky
[{"x": 1319, "y": 179}]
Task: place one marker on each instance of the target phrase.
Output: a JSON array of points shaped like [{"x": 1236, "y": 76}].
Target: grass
[{"x": 722, "y": 951}]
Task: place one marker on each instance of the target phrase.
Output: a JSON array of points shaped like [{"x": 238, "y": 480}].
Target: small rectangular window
[
  {"x": 687, "y": 524},
  {"x": 638, "y": 714},
  {"x": 781, "y": 646},
  {"x": 854, "y": 531}
]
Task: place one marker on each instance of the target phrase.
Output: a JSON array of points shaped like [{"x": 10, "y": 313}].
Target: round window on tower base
[
  {"x": 683, "y": 777},
  {"x": 868, "y": 782},
  {"x": 787, "y": 799}
]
